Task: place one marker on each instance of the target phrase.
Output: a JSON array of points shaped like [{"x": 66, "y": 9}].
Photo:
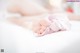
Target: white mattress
[{"x": 15, "y": 39}]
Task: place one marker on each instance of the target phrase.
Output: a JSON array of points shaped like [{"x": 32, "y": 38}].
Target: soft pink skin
[{"x": 40, "y": 27}]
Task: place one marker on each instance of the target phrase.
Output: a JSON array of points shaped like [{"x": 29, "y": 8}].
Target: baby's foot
[{"x": 41, "y": 27}]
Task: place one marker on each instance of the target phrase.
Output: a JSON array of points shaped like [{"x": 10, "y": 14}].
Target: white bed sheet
[{"x": 15, "y": 39}]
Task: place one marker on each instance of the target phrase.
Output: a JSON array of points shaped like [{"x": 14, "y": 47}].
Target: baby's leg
[
  {"x": 26, "y": 22},
  {"x": 14, "y": 9},
  {"x": 27, "y": 7},
  {"x": 20, "y": 22}
]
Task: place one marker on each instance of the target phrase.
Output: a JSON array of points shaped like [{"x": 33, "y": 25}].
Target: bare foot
[{"x": 40, "y": 27}]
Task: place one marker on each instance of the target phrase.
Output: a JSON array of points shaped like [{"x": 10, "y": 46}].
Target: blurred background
[{"x": 72, "y": 7}]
